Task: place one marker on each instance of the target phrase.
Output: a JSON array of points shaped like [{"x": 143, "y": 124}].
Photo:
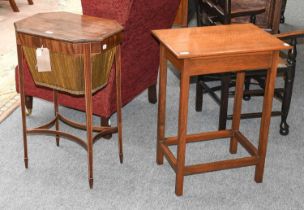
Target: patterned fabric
[
  {"x": 67, "y": 71},
  {"x": 140, "y": 51}
]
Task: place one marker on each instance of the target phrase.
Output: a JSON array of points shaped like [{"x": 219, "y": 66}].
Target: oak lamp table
[
  {"x": 210, "y": 50},
  {"x": 73, "y": 54}
]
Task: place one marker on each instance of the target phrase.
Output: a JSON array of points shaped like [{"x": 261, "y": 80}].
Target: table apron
[
  {"x": 67, "y": 47},
  {"x": 229, "y": 63},
  {"x": 222, "y": 64}
]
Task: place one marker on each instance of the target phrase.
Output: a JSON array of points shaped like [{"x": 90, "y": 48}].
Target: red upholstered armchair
[{"x": 140, "y": 53}]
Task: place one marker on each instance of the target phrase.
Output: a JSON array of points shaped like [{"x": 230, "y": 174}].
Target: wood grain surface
[
  {"x": 69, "y": 27},
  {"x": 217, "y": 40}
]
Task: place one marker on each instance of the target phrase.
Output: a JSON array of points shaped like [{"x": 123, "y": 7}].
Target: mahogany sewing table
[{"x": 75, "y": 42}]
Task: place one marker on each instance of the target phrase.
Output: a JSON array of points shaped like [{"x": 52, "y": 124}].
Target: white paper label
[
  {"x": 49, "y": 32},
  {"x": 43, "y": 60},
  {"x": 184, "y": 53}
]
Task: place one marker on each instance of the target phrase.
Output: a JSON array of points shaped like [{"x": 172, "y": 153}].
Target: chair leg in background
[
  {"x": 282, "y": 19},
  {"x": 14, "y": 5},
  {"x": 55, "y": 96},
  {"x": 247, "y": 97},
  {"x": 105, "y": 122},
  {"x": 289, "y": 79},
  {"x": 29, "y": 105},
  {"x": 224, "y": 102},
  {"x": 152, "y": 96},
  {"x": 199, "y": 95}
]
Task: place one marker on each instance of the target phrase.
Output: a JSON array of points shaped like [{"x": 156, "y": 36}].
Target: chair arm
[{"x": 291, "y": 35}]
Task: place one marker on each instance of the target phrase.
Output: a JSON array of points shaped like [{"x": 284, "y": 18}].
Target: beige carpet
[
  {"x": 57, "y": 176},
  {"x": 8, "y": 56}
]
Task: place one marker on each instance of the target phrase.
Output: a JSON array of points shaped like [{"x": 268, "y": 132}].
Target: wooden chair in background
[
  {"x": 184, "y": 13},
  {"x": 270, "y": 22},
  {"x": 286, "y": 69},
  {"x": 181, "y": 18},
  {"x": 284, "y": 2},
  {"x": 212, "y": 12}
]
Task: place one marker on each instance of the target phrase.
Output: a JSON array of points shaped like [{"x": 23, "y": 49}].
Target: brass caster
[
  {"x": 26, "y": 163},
  {"x": 91, "y": 183},
  {"x": 57, "y": 141},
  {"x": 121, "y": 158}
]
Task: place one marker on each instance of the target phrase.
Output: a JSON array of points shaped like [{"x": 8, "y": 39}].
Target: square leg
[
  {"x": 161, "y": 124},
  {"x": 237, "y": 109},
  {"x": 182, "y": 132},
  {"x": 266, "y": 114}
]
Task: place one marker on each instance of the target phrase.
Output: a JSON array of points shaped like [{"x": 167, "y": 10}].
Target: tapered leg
[
  {"x": 105, "y": 123},
  {"x": 118, "y": 100},
  {"x": 161, "y": 105},
  {"x": 152, "y": 94},
  {"x": 22, "y": 99},
  {"x": 55, "y": 96},
  {"x": 237, "y": 109},
  {"x": 29, "y": 104},
  {"x": 14, "y": 5},
  {"x": 266, "y": 114},
  {"x": 224, "y": 102},
  {"x": 182, "y": 132},
  {"x": 89, "y": 111},
  {"x": 30, "y": 2},
  {"x": 199, "y": 95}
]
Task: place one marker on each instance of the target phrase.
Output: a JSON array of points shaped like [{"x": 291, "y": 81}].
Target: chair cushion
[{"x": 247, "y": 7}]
